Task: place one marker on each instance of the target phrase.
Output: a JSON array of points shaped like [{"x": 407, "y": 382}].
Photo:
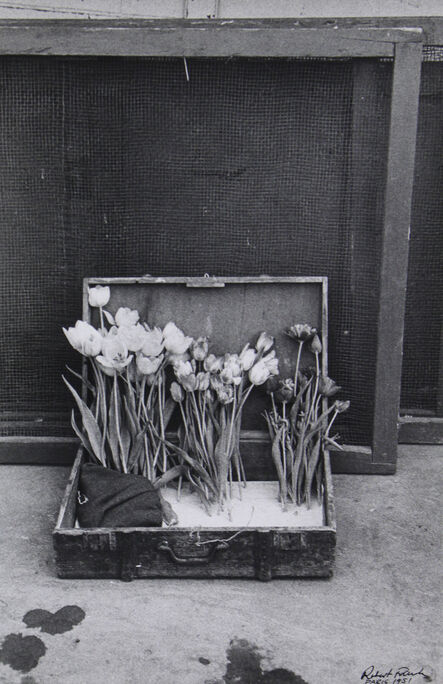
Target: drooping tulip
[
  {"x": 126, "y": 316},
  {"x": 177, "y": 392},
  {"x": 148, "y": 365},
  {"x": 301, "y": 332},
  {"x": 153, "y": 344},
  {"x": 188, "y": 382},
  {"x": 342, "y": 406},
  {"x": 271, "y": 362},
  {"x": 227, "y": 376},
  {"x": 175, "y": 359},
  {"x": 232, "y": 361},
  {"x": 247, "y": 357},
  {"x": 259, "y": 373},
  {"x": 264, "y": 342},
  {"x": 231, "y": 372},
  {"x": 286, "y": 390},
  {"x": 215, "y": 382},
  {"x": 114, "y": 357},
  {"x": 213, "y": 363},
  {"x": 175, "y": 340},
  {"x": 328, "y": 387},
  {"x": 202, "y": 381},
  {"x": 316, "y": 345},
  {"x": 134, "y": 336},
  {"x": 183, "y": 368},
  {"x": 302, "y": 380},
  {"x": 225, "y": 394},
  {"x": 184, "y": 372},
  {"x": 272, "y": 384},
  {"x": 84, "y": 338},
  {"x": 199, "y": 348}
]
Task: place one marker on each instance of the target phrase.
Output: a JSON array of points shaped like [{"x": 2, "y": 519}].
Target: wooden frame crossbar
[{"x": 198, "y": 38}]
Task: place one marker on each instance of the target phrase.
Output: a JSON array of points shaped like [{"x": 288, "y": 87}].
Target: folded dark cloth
[{"x": 108, "y": 498}]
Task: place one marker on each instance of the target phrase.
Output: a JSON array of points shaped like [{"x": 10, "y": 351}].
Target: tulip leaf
[
  {"x": 109, "y": 317},
  {"x": 170, "y": 405},
  {"x": 193, "y": 463},
  {"x": 136, "y": 449},
  {"x": 222, "y": 461},
  {"x": 82, "y": 437},
  {"x": 101, "y": 392},
  {"x": 296, "y": 468},
  {"x": 312, "y": 465},
  {"x": 89, "y": 423},
  {"x": 112, "y": 433},
  {"x": 277, "y": 458},
  {"x": 130, "y": 397},
  {"x": 125, "y": 443},
  {"x": 170, "y": 474},
  {"x": 215, "y": 422},
  {"x": 169, "y": 515},
  {"x": 84, "y": 380},
  {"x": 121, "y": 431},
  {"x": 131, "y": 420},
  {"x": 209, "y": 434}
]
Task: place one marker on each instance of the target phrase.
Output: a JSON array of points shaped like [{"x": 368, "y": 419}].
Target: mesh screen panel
[
  {"x": 117, "y": 167},
  {"x": 425, "y": 282}
]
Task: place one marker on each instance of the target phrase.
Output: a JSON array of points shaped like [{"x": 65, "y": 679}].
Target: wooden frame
[
  {"x": 198, "y": 38},
  {"x": 422, "y": 427},
  {"x": 211, "y": 38}
]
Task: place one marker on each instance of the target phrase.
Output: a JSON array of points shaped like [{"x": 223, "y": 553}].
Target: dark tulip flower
[
  {"x": 342, "y": 406},
  {"x": 272, "y": 384},
  {"x": 301, "y": 332},
  {"x": 328, "y": 387},
  {"x": 286, "y": 391},
  {"x": 316, "y": 346}
]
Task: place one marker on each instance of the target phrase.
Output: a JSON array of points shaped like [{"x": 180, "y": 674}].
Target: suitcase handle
[{"x": 193, "y": 560}]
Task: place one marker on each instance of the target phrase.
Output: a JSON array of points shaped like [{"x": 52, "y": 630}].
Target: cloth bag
[{"x": 108, "y": 498}]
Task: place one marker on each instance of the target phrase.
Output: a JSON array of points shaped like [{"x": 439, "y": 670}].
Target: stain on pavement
[
  {"x": 244, "y": 666},
  {"x": 54, "y": 623},
  {"x": 21, "y": 653},
  {"x": 24, "y": 652}
]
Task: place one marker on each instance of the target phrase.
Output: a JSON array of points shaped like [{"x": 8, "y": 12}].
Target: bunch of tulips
[
  {"x": 300, "y": 421},
  {"x": 211, "y": 392},
  {"x": 139, "y": 375}
]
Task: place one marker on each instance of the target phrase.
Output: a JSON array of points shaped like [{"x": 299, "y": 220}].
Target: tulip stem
[
  {"x": 317, "y": 378},
  {"x": 200, "y": 429},
  {"x": 117, "y": 426},
  {"x": 297, "y": 365},
  {"x": 147, "y": 460},
  {"x": 330, "y": 423},
  {"x": 243, "y": 400},
  {"x": 231, "y": 425},
  {"x": 142, "y": 397},
  {"x": 274, "y": 407},
  {"x": 283, "y": 441},
  {"x": 161, "y": 403}
]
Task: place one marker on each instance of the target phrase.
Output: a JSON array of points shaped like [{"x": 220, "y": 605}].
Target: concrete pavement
[{"x": 380, "y": 608}]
